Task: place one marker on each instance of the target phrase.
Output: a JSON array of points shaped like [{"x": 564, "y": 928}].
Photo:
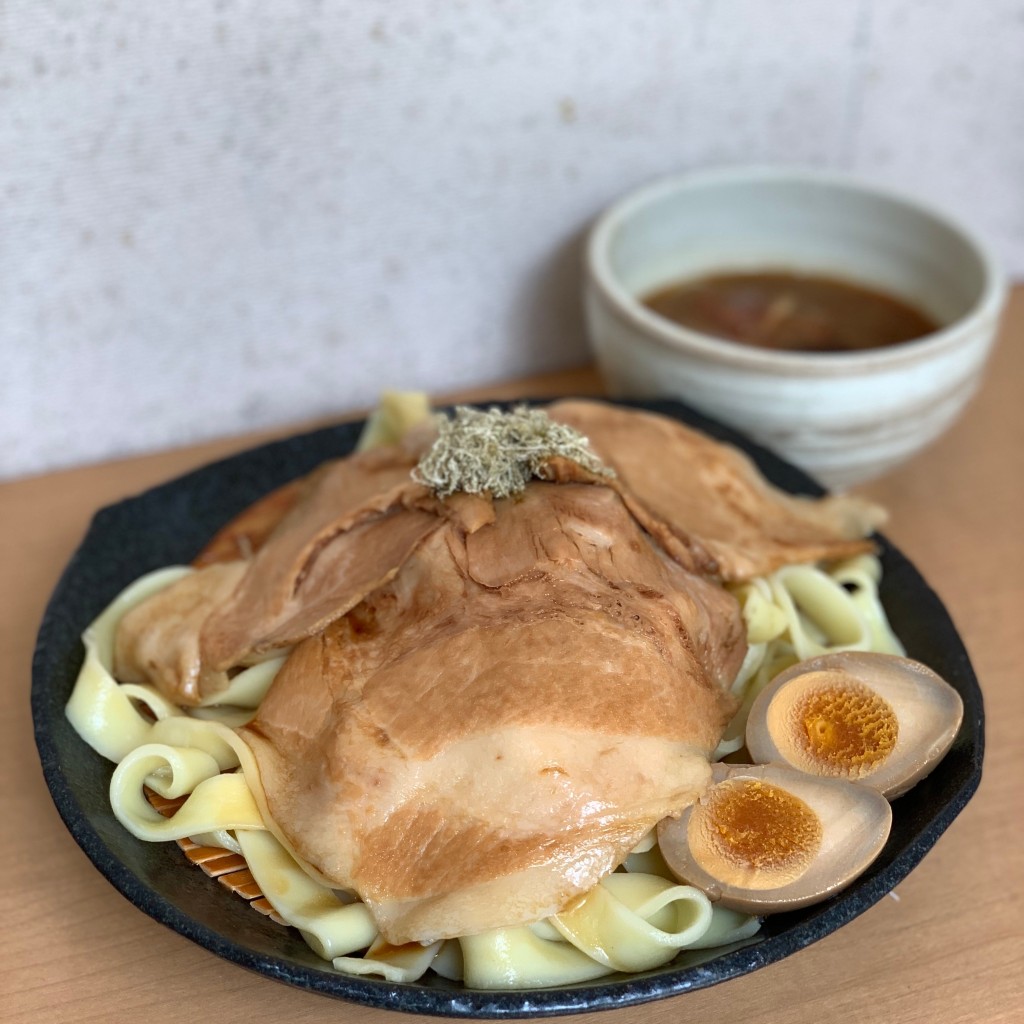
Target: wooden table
[{"x": 948, "y": 949}]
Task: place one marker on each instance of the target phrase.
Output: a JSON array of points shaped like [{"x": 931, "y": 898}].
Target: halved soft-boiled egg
[
  {"x": 878, "y": 719},
  {"x": 765, "y": 838}
]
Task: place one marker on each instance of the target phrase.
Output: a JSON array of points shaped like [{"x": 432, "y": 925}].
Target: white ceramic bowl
[{"x": 844, "y": 417}]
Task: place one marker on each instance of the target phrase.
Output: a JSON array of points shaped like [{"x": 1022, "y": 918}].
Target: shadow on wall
[{"x": 552, "y": 334}]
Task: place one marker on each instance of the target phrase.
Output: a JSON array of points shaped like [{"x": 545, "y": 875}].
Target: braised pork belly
[
  {"x": 727, "y": 520},
  {"x": 483, "y": 738},
  {"x": 488, "y": 702}
]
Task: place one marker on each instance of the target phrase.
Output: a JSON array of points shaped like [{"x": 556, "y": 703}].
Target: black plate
[{"x": 169, "y": 524}]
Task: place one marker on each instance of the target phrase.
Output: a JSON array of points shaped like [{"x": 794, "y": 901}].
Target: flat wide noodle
[{"x": 210, "y": 792}]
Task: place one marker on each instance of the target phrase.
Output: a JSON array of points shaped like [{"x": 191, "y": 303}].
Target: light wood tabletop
[{"x": 949, "y": 947}]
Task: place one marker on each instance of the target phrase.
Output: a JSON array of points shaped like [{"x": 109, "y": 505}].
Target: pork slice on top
[
  {"x": 727, "y": 519},
  {"x": 354, "y": 523},
  {"x": 158, "y": 641},
  {"x": 490, "y": 702},
  {"x": 325, "y": 543},
  {"x": 488, "y": 734}
]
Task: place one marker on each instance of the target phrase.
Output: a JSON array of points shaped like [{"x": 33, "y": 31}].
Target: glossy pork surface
[
  {"x": 485, "y": 737},
  {"x": 727, "y": 520},
  {"x": 487, "y": 703}
]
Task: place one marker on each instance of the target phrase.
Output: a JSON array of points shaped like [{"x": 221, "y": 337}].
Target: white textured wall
[{"x": 220, "y": 215}]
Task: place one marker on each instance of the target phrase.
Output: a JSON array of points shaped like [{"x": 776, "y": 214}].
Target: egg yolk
[
  {"x": 845, "y": 729},
  {"x": 755, "y": 834}
]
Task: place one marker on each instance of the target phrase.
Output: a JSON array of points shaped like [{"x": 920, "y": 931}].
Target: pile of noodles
[{"x": 635, "y": 919}]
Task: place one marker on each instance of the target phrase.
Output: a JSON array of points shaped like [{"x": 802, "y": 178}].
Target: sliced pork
[
  {"x": 158, "y": 641},
  {"x": 727, "y": 519},
  {"x": 483, "y": 738},
  {"x": 488, "y": 702}
]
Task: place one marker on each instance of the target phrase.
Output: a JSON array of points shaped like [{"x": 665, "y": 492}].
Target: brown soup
[{"x": 783, "y": 310}]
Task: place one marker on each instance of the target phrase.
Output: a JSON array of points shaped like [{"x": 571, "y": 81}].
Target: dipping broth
[{"x": 784, "y": 310}]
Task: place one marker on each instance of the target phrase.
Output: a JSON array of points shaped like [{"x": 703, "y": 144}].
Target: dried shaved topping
[{"x": 497, "y": 452}]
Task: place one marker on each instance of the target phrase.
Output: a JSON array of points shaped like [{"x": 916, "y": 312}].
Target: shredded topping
[{"x": 497, "y": 452}]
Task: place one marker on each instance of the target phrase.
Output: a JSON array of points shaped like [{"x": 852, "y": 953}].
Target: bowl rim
[{"x": 681, "y": 339}]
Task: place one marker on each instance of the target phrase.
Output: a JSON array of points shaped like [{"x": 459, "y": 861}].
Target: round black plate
[{"x": 169, "y": 524}]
